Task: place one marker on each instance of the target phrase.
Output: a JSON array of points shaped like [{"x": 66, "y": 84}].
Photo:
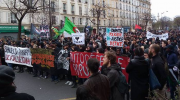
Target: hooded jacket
[
  {"x": 138, "y": 70},
  {"x": 172, "y": 59},
  {"x": 113, "y": 76}
]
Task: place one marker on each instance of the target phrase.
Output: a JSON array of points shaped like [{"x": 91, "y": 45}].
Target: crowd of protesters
[{"x": 144, "y": 54}]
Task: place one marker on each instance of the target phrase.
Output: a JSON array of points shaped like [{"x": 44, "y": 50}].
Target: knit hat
[{"x": 7, "y": 75}]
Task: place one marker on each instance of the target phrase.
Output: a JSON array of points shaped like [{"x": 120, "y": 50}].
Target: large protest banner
[
  {"x": 79, "y": 60},
  {"x": 161, "y": 37},
  {"x": 43, "y": 57},
  {"x": 115, "y": 37},
  {"x": 78, "y": 38},
  {"x": 17, "y": 55}
]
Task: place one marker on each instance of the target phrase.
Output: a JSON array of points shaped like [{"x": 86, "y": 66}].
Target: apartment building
[{"x": 115, "y": 13}]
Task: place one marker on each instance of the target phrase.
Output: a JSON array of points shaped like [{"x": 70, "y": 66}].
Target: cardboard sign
[
  {"x": 78, "y": 38},
  {"x": 78, "y": 63},
  {"x": 115, "y": 37},
  {"x": 17, "y": 55},
  {"x": 43, "y": 57}
]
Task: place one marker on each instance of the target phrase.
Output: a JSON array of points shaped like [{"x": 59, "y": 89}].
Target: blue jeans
[{"x": 172, "y": 91}]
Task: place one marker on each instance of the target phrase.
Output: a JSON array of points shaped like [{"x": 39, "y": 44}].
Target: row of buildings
[{"x": 113, "y": 13}]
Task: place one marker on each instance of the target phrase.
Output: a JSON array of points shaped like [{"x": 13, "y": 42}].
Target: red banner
[{"x": 79, "y": 60}]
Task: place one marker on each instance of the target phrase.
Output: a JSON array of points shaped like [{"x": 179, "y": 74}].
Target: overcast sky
[{"x": 160, "y": 6}]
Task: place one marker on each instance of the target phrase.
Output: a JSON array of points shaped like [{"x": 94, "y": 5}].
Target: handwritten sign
[
  {"x": 115, "y": 37},
  {"x": 78, "y": 38},
  {"x": 17, "y": 55},
  {"x": 43, "y": 57},
  {"x": 79, "y": 60}
]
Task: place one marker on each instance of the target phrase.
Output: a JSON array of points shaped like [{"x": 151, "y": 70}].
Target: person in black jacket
[
  {"x": 112, "y": 73},
  {"x": 138, "y": 70},
  {"x": 7, "y": 87},
  {"x": 158, "y": 67}
]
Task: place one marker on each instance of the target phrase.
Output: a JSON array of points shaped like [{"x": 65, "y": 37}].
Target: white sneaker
[
  {"x": 67, "y": 82},
  {"x": 70, "y": 83}
]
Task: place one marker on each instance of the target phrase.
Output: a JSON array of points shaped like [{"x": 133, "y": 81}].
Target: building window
[
  {"x": 104, "y": 22},
  {"x": 86, "y": 1},
  {"x": 80, "y": 10},
  {"x": 73, "y": 18},
  {"x": 64, "y": 8},
  {"x": 53, "y": 6},
  {"x": 104, "y": 14},
  {"x": 53, "y": 19},
  {"x": 80, "y": 21},
  {"x": 87, "y": 21},
  {"x": 13, "y": 18},
  {"x": 103, "y": 3},
  {"x": 72, "y": 9},
  {"x": 92, "y": 2}
]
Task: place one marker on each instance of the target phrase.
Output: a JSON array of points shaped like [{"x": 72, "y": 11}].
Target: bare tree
[
  {"x": 165, "y": 22},
  {"x": 20, "y": 8},
  {"x": 98, "y": 10},
  {"x": 177, "y": 21},
  {"x": 146, "y": 17}
]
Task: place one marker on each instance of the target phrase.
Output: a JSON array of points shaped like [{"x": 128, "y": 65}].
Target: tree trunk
[
  {"x": 19, "y": 29},
  {"x": 97, "y": 25}
]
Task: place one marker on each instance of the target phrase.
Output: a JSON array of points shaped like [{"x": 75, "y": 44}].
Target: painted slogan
[
  {"x": 43, "y": 57},
  {"x": 79, "y": 60},
  {"x": 17, "y": 55},
  {"x": 115, "y": 37}
]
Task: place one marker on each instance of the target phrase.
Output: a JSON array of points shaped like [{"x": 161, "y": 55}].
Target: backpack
[{"x": 123, "y": 86}]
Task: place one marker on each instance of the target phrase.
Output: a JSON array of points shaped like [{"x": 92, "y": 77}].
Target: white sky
[{"x": 160, "y": 6}]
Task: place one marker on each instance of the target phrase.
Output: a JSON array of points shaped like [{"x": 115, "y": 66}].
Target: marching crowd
[{"x": 159, "y": 56}]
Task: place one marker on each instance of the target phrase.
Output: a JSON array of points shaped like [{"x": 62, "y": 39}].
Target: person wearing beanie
[
  {"x": 7, "y": 87},
  {"x": 172, "y": 59}
]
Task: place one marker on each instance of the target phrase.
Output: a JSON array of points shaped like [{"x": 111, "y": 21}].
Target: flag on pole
[
  {"x": 69, "y": 27},
  {"x": 34, "y": 30},
  {"x": 138, "y": 27}
]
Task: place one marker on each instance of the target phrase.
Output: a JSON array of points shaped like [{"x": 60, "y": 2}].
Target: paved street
[{"x": 43, "y": 89}]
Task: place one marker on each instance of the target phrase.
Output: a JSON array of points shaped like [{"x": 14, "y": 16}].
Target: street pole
[{"x": 50, "y": 23}]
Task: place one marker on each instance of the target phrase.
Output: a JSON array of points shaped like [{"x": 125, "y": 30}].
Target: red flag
[{"x": 138, "y": 27}]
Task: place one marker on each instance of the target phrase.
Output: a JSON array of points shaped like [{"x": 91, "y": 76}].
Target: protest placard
[
  {"x": 115, "y": 37},
  {"x": 43, "y": 57},
  {"x": 161, "y": 37},
  {"x": 78, "y": 63},
  {"x": 78, "y": 38},
  {"x": 17, "y": 55}
]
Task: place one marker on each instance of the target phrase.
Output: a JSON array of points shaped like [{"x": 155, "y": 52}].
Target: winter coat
[
  {"x": 172, "y": 59},
  {"x": 8, "y": 93},
  {"x": 138, "y": 70},
  {"x": 114, "y": 79},
  {"x": 101, "y": 87},
  {"x": 158, "y": 67}
]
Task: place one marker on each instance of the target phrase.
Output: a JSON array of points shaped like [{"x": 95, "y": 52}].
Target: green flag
[{"x": 69, "y": 27}]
